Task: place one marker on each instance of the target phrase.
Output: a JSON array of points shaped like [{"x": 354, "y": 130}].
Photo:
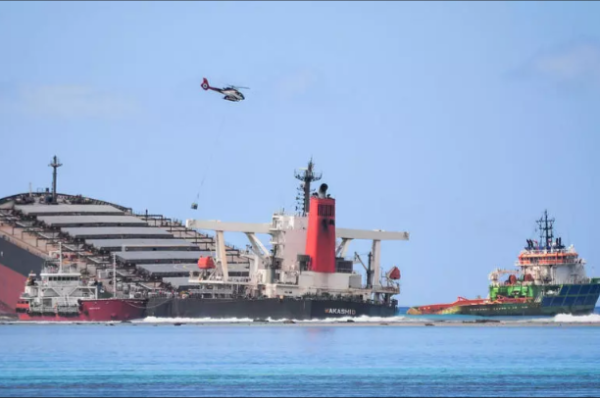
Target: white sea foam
[
  {"x": 155, "y": 320},
  {"x": 363, "y": 319},
  {"x": 534, "y": 320},
  {"x": 564, "y": 318}
]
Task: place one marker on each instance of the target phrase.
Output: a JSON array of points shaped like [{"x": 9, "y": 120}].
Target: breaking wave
[{"x": 565, "y": 318}]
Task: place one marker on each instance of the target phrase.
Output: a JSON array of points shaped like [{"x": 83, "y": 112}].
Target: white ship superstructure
[
  {"x": 307, "y": 256},
  {"x": 56, "y": 290}
]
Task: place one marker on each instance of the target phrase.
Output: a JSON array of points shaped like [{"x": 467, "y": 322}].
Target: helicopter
[{"x": 231, "y": 93}]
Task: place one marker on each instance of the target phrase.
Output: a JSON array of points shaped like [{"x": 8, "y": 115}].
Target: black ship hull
[
  {"x": 15, "y": 265},
  {"x": 264, "y": 309}
]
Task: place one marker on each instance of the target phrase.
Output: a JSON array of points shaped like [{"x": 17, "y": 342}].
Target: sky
[{"x": 459, "y": 122}]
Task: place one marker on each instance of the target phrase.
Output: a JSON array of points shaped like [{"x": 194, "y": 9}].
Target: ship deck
[{"x": 90, "y": 231}]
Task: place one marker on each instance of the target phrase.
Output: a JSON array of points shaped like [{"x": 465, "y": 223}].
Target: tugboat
[
  {"x": 550, "y": 280},
  {"x": 59, "y": 295}
]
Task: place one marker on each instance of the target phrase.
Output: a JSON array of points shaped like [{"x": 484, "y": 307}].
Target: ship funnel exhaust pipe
[{"x": 323, "y": 191}]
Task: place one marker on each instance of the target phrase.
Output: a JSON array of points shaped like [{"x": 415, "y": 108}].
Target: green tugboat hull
[
  {"x": 528, "y": 309},
  {"x": 543, "y": 301}
]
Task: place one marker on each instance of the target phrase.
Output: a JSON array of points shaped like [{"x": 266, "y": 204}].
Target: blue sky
[{"x": 457, "y": 122}]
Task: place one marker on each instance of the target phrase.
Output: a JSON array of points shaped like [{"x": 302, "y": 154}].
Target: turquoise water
[{"x": 316, "y": 360}]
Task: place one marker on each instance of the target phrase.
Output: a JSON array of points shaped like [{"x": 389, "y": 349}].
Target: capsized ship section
[{"x": 132, "y": 255}]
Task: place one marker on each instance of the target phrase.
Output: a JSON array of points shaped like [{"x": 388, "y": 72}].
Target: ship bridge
[{"x": 288, "y": 234}]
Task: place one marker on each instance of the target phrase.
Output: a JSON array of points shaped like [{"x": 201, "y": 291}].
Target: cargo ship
[
  {"x": 550, "y": 279},
  {"x": 304, "y": 276},
  {"x": 178, "y": 271}
]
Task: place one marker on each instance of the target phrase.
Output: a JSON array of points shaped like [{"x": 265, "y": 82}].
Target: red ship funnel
[{"x": 320, "y": 237}]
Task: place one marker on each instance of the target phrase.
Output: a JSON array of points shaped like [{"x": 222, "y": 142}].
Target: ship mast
[
  {"x": 60, "y": 258},
  {"x": 307, "y": 177},
  {"x": 546, "y": 227},
  {"x": 55, "y": 165},
  {"x": 114, "y": 275}
]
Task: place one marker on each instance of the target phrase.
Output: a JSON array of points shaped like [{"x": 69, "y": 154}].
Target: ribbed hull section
[{"x": 274, "y": 309}]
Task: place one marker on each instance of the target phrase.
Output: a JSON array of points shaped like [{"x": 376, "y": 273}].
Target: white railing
[{"x": 553, "y": 250}]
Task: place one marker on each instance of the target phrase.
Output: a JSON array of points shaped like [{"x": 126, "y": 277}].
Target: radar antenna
[
  {"x": 55, "y": 165},
  {"x": 307, "y": 176}
]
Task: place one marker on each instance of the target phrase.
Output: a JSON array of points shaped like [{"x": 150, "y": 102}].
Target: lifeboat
[
  {"x": 205, "y": 263},
  {"x": 394, "y": 274}
]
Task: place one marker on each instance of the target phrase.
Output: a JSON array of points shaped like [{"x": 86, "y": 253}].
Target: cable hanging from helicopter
[{"x": 232, "y": 93}]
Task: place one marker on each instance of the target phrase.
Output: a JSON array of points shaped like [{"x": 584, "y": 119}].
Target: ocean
[{"x": 365, "y": 358}]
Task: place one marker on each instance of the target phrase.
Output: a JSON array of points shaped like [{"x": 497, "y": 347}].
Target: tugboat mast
[
  {"x": 307, "y": 177},
  {"x": 546, "y": 230}
]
